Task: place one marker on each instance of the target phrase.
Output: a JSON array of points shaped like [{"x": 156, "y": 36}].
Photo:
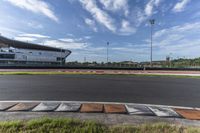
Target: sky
[{"x": 85, "y": 27}]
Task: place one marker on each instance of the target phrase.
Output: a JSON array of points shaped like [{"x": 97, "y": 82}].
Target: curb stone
[
  {"x": 23, "y": 106},
  {"x": 101, "y": 107},
  {"x": 7, "y": 105},
  {"x": 138, "y": 110},
  {"x": 68, "y": 107},
  {"x": 91, "y": 108},
  {"x": 46, "y": 106},
  {"x": 163, "y": 111}
]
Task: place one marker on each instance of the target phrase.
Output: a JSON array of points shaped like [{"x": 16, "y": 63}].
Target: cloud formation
[
  {"x": 180, "y": 6},
  {"x": 126, "y": 28},
  {"x": 30, "y": 37},
  {"x": 35, "y": 6},
  {"x": 181, "y": 39},
  {"x": 104, "y": 12},
  {"x": 91, "y": 23},
  {"x": 150, "y": 6},
  {"x": 65, "y": 44},
  {"x": 116, "y": 5},
  {"x": 98, "y": 14},
  {"x": 34, "y": 35}
]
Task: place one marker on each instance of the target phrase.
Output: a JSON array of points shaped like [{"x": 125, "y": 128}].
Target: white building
[{"x": 17, "y": 52}]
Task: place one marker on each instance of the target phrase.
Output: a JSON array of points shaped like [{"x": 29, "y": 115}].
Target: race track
[{"x": 104, "y": 88}]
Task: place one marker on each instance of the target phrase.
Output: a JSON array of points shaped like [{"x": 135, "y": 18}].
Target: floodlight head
[{"x": 152, "y": 21}]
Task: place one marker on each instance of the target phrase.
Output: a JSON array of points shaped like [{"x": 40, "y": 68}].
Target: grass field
[
  {"x": 61, "y": 125},
  {"x": 89, "y": 73}
]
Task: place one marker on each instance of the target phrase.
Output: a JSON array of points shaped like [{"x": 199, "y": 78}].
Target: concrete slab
[
  {"x": 46, "y": 106},
  {"x": 6, "y": 105},
  {"x": 91, "y": 108},
  {"x": 190, "y": 114},
  {"x": 114, "y": 108},
  {"x": 68, "y": 107},
  {"x": 26, "y": 106},
  {"x": 139, "y": 110},
  {"x": 163, "y": 111}
]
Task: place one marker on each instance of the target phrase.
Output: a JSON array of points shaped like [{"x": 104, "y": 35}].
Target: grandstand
[{"x": 13, "y": 52}]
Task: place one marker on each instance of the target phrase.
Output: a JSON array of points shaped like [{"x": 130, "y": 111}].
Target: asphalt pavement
[{"x": 102, "y": 88}]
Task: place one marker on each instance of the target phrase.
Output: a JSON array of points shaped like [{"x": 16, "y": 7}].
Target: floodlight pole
[
  {"x": 60, "y": 56},
  {"x": 170, "y": 57},
  {"x": 107, "y": 51},
  {"x": 84, "y": 59},
  {"x": 152, "y": 22}
]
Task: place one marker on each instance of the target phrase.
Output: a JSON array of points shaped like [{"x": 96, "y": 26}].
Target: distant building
[{"x": 17, "y": 52}]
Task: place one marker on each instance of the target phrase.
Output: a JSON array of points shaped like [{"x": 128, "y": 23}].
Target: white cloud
[
  {"x": 116, "y": 5},
  {"x": 181, "y": 40},
  {"x": 69, "y": 34},
  {"x": 150, "y": 6},
  {"x": 87, "y": 37},
  {"x": 180, "y": 6},
  {"x": 25, "y": 39},
  {"x": 99, "y": 15},
  {"x": 65, "y": 44},
  {"x": 36, "y": 6},
  {"x": 9, "y": 32},
  {"x": 34, "y": 35},
  {"x": 126, "y": 28},
  {"x": 140, "y": 15},
  {"x": 70, "y": 40},
  {"x": 91, "y": 23},
  {"x": 188, "y": 28},
  {"x": 35, "y": 25},
  {"x": 31, "y": 37}
]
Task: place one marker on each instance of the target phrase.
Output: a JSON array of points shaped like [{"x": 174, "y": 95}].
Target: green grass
[
  {"x": 61, "y": 125},
  {"x": 42, "y": 73},
  {"x": 46, "y": 125},
  {"x": 89, "y": 73}
]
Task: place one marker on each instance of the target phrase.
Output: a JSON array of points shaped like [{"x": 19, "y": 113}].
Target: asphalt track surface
[{"x": 102, "y": 88}]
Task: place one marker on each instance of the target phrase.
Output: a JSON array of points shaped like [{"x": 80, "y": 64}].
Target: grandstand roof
[{"x": 5, "y": 42}]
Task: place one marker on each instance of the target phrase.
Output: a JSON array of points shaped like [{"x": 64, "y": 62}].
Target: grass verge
[
  {"x": 89, "y": 73},
  {"x": 61, "y": 125},
  {"x": 43, "y": 73}
]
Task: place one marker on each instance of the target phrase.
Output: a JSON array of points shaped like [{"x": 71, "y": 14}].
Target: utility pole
[
  {"x": 85, "y": 59},
  {"x": 107, "y": 51},
  {"x": 170, "y": 57},
  {"x": 152, "y": 22},
  {"x": 60, "y": 56}
]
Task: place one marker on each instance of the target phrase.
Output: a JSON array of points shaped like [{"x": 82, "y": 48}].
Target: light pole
[
  {"x": 60, "y": 56},
  {"x": 107, "y": 51},
  {"x": 170, "y": 57},
  {"x": 84, "y": 59},
  {"x": 152, "y": 22}
]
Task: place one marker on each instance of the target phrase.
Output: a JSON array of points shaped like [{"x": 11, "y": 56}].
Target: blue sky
[{"x": 84, "y": 27}]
